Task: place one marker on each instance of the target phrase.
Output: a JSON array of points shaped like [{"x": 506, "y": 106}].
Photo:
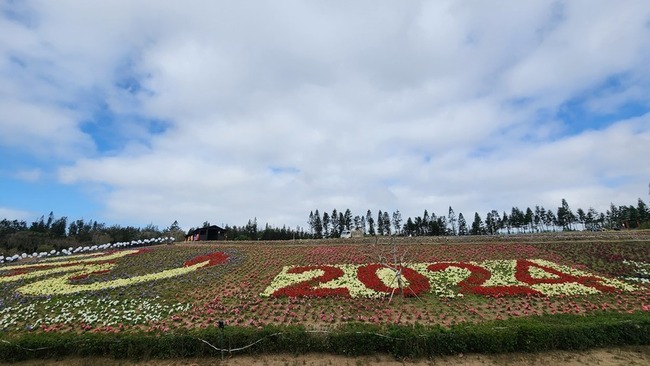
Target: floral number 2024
[{"x": 445, "y": 279}]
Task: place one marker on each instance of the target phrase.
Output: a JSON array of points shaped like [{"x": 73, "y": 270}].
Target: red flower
[
  {"x": 522, "y": 273},
  {"x": 308, "y": 287},
  {"x": 478, "y": 276},
  {"x": 213, "y": 258},
  {"x": 418, "y": 283}
]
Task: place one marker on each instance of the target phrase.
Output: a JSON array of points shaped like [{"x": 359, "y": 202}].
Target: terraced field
[{"x": 322, "y": 286}]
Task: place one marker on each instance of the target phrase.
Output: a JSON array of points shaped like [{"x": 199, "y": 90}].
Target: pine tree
[
  {"x": 462, "y": 225},
  {"x": 386, "y": 219},
  {"x": 426, "y": 220},
  {"x": 528, "y": 219},
  {"x": 397, "y": 222},
  {"x": 318, "y": 225},
  {"x": 505, "y": 222},
  {"x": 57, "y": 229},
  {"x": 491, "y": 223},
  {"x": 643, "y": 211},
  {"x": 356, "y": 221},
  {"x": 347, "y": 219},
  {"x": 564, "y": 215},
  {"x": 537, "y": 219},
  {"x": 477, "y": 225},
  {"x": 371, "y": 223},
  {"x": 581, "y": 217},
  {"x": 326, "y": 224},
  {"x": 334, "y": 219}
]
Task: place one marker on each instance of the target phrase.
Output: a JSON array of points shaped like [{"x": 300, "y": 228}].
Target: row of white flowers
[
  {"x": 86, "y": 249},
  {"x": 445, "y": 283},
  {"x": 78, "y": 259},
  {"x": 642, "y": 270},
  {"x": 91, "y": 311}
]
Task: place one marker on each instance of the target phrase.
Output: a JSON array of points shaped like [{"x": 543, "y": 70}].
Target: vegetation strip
[{"x": 532, "y": 335}]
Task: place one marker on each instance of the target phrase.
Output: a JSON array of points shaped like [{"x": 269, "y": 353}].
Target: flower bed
[
  {"x": 176, "y": 288},
  {"x": 72, "y": 269},
  {"x": 492, "y": 278}
]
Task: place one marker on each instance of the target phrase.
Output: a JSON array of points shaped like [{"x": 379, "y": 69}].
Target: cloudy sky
[{"x": 136, "y": 112}]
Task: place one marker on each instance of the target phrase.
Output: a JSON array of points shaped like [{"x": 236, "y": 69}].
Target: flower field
[{"x": 320, "y": 285}]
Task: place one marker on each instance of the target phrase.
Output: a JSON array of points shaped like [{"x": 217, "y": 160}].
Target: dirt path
[{"x": 639, "y": 355}]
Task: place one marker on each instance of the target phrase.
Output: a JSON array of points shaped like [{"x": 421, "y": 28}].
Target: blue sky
[{"x": 139, "y": 112}]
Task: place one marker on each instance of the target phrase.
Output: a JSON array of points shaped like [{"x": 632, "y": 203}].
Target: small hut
[{"x": 213, "y": 232}]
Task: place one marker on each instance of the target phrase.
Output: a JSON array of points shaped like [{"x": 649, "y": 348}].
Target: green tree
[
  {"x": 347, "y": 219},
  {"x": 251, "y": 229},
  {"x": 613, "y": 217},
  {"x": 505, "y": 222},
  {"x": 543, "y": 218},
  {"x": 492, "y": 222},
  {"x": 371, "y": 223},
  {"x": 336, "y": 225},
  {"x": 318, "y": 225},
  {"x": 528, "y": 219},
  {"x": 425, "y": 223},
  {"x": 397, "y": 222},
  {"x": 386, "y": 219},
  {"x": 39, "y": 226},
  {"x": 438, "y": 225},
  {"x": 551, "y": 219},
  {"x": 58, "y": 227},
  {"x": 582, "y": 217},
  {"x": 643, "y": 211},
  {"x": 356, "y": 221},
  {"x": 326, "y": 224},
  {"x": 410, "y": 228},
  {"x": 516, "y": 218},
  {"x": 462, "y": 225},
  {"x": 591, "y": 219},
  {"x": 565, "y": 216},
  {"x": 477, "y": 225},
  {"x": 537, "y": 218}
]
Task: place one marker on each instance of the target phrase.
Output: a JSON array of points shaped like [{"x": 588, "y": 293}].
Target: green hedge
[{"x": 533, "y": 334}]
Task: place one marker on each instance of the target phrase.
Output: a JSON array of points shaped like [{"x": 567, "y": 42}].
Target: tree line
[
  {"x": 251, "y": 231},
  {"x": 538, "y": 219},
  {"x": 52, "y": 233}
]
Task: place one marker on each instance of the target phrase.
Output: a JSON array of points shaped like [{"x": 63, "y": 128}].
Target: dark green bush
[{"x": 532, "y": 334}]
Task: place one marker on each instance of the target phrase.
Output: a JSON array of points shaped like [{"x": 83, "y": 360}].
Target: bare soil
[{"x": 636, "y": 355}]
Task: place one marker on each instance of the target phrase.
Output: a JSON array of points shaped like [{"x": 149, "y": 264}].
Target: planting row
[
  {"x": 446, "y": 279},
  {"x": 60, "y": 276},
  {"x": 181, "y": 287}
]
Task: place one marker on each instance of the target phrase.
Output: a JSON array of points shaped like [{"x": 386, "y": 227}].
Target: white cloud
[
  {"x": 30, "y": 175},
  {"x": 370, "y": 105},
  {"x": 14, "y": 214},
  {"x": 41, "y": 129},
  {"x": 594, "y": 41}
]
